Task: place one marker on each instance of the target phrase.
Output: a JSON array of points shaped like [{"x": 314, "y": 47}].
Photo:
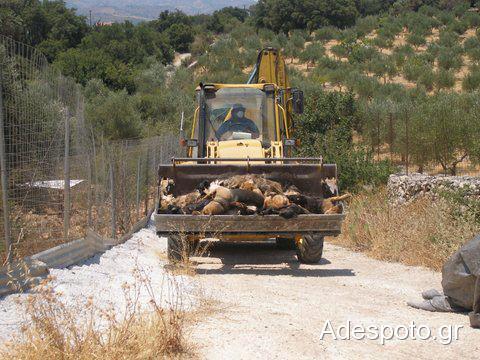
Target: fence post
[
  {"x": 114, "y": 203},
  {"x": 147, "y": 170},
  {"x": 4, "y": 175},
  {"x": 66, "y": 177},
  {"x": 137, "y": 203},
  {"x": 89, "y": 194},
  {"x": 155, "y": 173}
]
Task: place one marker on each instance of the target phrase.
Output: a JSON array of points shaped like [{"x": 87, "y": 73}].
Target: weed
[
  {"x": 57, "y": 330},
  {"x": 424, "y": 232}
]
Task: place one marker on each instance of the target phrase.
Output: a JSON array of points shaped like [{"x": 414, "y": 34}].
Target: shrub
[
  {"x": 459, "y": 26},
  {"x": 326, "y": 128},
  {"x": 339, "y": 51},
  {"x": 382, "y": 42},
  {"x": 390, "y": 27},
  {"x": 312, "y": 53},
  {"x": 428, "y": 10},
  {"x": 421, "y": 233},
  {"x": 365, "y": 86},
  {"x": 471, "y": 43},
  {"x": 472, "y": 80},
  {"x": 366, "y": 25},
  {"x": 326, "y": 33},
  {"x": 416, "y": 39},
  {"x": 444, "y": 79},
  {"x": 447, "y": 60},
  {"x": 401, "y": 53},
  {"x": 426, "y": 58},
  {"x": 474, "y": 54},
  {"x": 325, "y": 62},
  {"x": 362, "y": 53},
  {"x": 383, "y": 67},
  {"x": 446, "y": 17},
  {"x": 472, "y": 19},
  {"x": 433, "y": 50},
  {"x": 356, "y": 166},
  {"x": 459, "y": 8},
  {"x": 448, "y": 38},
  {"x": 427, "y": 79},
  {"x": 297, "y": 39},
  {"x": 413, "y": 68}
]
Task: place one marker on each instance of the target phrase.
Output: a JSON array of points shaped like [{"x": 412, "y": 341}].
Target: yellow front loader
[{"x": 248, "y": 129}]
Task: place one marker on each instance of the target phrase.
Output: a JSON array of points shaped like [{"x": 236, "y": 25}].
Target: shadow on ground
[{"x": 260, "y": 259}]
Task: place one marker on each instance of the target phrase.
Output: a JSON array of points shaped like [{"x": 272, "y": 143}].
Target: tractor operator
[{"x": 238, "y": 123}]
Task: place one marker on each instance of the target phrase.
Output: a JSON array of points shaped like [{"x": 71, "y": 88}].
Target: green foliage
[
  {"x": 312, "y": 53},
  {"x": 46, "y": 24},
  {"x": 474, "y": 55},
  {"x": 382, "y": 42},
  {"x": 167, "y": 19},
  {"x": 114, "y": 53},
  {"x": 326, "y": 33},
  {"x": 472, "y": 19},
  {"x": 448, "y": 59},
  {"x": 362, "y": 53},
  {"x": 464, "y": 206},
  {"x": 416, "y": 39},
  {"x": 339, "y": 51},
  {"x": 286, "y": 15},
  {"x": 383, "y": 67},
  {"x": 326, "y": 128},
  {"x": 389, "y": 28},
  {"x": 401, "y": 53},
  {"x": 181, "y": 36},
  {"x": 472, "y": 80},
  {"x": 366, "y": 25},
  {"x": 427, "y": 79},
  {"x": 444, "y": 79},
  {"x": 226, "y": 19},
  {"x": 459, "y": 26},
  {"x": 373, "y": 7},
  {"x": 413, "y": 68},
  {"x": 446, "y": 17},
  {"x": 471, "y": 43},
  {"x": 448, "y": 39},
  {"x": 111, "y": 114}
]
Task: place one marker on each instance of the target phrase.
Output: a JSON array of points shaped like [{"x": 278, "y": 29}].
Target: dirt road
[{"x": 272, "y": 307}]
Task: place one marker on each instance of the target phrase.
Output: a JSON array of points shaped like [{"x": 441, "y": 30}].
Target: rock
[{"x": 403, "y": 188}]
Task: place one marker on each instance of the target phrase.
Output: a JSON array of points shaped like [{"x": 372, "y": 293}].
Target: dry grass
[
  {"x": 187, "y": 265},
  {"x": 59, "y": 331},
  {"x": 424, "y": 232}
]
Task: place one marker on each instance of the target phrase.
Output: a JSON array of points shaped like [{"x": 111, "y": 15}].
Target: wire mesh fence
[{"x": 58, "y": 178}]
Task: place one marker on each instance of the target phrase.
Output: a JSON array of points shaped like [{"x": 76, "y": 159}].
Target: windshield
[{"x": 239, "y": 113}]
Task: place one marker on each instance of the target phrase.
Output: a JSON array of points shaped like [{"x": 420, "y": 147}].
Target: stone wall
[{"x": 404, "y": 188}]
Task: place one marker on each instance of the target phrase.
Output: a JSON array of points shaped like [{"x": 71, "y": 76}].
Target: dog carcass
[{"x": 249, "y": 195}]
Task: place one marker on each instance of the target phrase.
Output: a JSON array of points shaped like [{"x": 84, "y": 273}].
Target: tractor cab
[{"x": 239, "y": 121}]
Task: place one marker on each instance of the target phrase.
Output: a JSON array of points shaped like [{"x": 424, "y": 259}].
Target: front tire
[{"x": 310, "y": 249}]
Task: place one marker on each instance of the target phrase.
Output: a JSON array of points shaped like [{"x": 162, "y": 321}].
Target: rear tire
[
  {"x": 310, "y": 249},
  {"x": 177, "y": 249},
  {"x": 286, "y": 244}
]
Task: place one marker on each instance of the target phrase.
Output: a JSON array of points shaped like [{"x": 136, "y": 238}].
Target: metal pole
[
  {"x": 155, "y": 200},
  {"x": 138, "y": 186},
  {"x": 66, "y": 177},
  {"x": 147, "y": 168},
  {"x": 4, "y": 175},
  {"x": 89, "y": 194},
  {"x": 114, "y": 203}
]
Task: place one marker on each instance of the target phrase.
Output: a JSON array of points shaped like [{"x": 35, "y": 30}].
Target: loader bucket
[{"x": 307, "y": 177}]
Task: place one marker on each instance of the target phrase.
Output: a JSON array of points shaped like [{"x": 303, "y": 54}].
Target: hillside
[{"x": 112, "y": 10}]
